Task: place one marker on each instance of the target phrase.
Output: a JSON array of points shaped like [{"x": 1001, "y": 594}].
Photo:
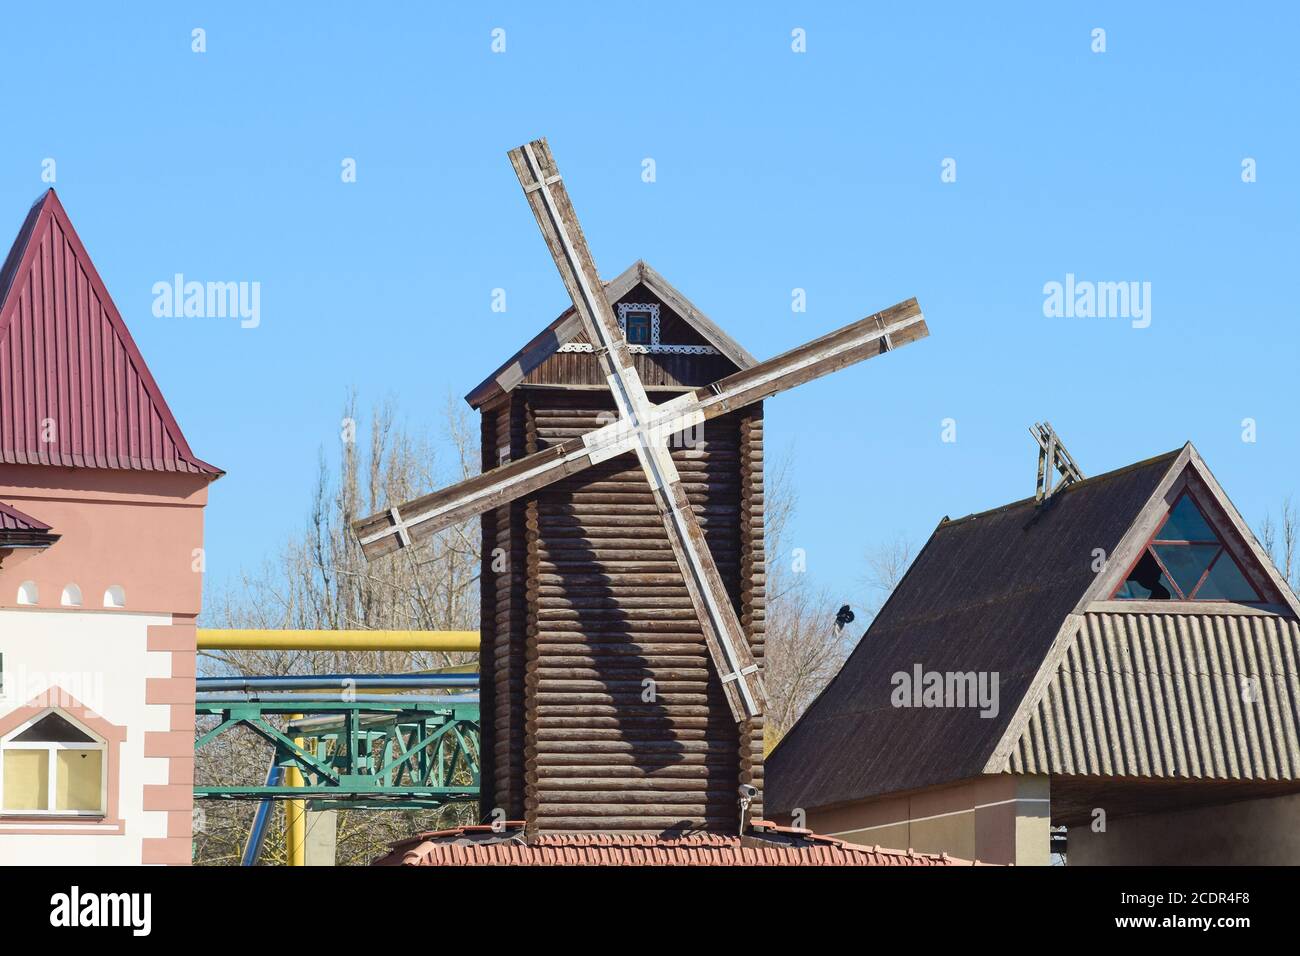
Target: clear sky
[{"x": 775, "y": 170}]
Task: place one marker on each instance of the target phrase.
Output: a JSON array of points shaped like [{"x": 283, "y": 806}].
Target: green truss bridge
[{"x": 376, "y": 751}]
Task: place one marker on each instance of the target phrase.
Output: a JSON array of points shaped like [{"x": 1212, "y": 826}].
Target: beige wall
[
  {"x": 994, "y": 819},
  {"x": 1261, "y": 832}
]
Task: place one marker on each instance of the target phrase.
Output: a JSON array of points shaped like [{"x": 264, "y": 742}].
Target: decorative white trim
[
  {"x": 625, "y": 307},
  {"x": 655, "y": 347}
]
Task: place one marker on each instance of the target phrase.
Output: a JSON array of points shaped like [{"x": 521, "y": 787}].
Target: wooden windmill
[{"x": 529, "y": 468}]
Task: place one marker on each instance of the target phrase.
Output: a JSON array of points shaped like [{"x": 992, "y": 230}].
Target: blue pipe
[
  {"x": 257, "y": 835},
  {"x": 338, "y": 681}
]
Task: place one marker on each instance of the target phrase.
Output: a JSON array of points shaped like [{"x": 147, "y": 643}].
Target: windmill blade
[
  {"x": 875, "y": 335},
  {"x": 728, "y": 646},
  {"x": 414, "y": 520},
  {"x": 549, "y": 199}
]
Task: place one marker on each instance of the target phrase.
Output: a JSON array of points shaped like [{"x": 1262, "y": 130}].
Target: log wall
[{"x": 591, "y": 606}]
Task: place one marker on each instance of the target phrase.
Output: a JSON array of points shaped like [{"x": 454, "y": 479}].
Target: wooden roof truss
[{"x": 1053, "y": 457}]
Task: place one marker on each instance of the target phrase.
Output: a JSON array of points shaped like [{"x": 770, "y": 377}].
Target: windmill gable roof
[
  {"x": 567, "y": 329},
  {"x": 68, "y": 361},
  {"x": 988, "y": 593}
]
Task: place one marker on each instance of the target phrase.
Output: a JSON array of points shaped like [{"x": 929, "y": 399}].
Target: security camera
[{"x": 748, "y": 792}]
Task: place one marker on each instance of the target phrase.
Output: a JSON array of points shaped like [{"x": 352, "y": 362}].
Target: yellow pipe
[
  {"x": 272, "y": 640},
  {"x": 295, "y": 816}
]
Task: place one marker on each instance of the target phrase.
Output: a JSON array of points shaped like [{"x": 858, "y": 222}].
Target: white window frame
[
  {"x": 647, "y": 307},
  {"x": 655, "y": 346},
  {"x": 53, "y": 747}
]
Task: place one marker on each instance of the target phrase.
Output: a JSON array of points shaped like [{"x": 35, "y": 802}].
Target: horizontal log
[
  {"x": 637, "y": 642},
  {"x": 603, "y": 615},
  {"x": 574, "y": 539},
  {"x": 614, "y": 824},
  {"x": 541, "y": 733},
  {"x": 649, "y": 762},
  {"x": 622, "y": 722},
  {"x": 643, "y": 751},
  {"x": 616, "y": 714},
  {"x": 690, "y": 801},
  {"x": 619, "y": 785},
  {"x": 546, "y": 685},
  {"x": 657, "y": 665},
  {"x": 562, "y": 506},
  {"x": 622, "y": 629},
  {"x": 603, "y": 600},
  {"x": 625, "y": 676},
  {"x": 642, "y": 774},
  {"x": 621, "y": 647}
]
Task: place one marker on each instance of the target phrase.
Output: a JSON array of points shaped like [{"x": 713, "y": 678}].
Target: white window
[
  {"x": 71, "y": 596},
  {"x": 53, "y": 765},
  {"x": 114, "y": 596},
  {"x": 27, "y": 593}
]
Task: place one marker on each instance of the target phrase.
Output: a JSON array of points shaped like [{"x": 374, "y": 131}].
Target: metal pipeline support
[
  {"x": 338, "y": 682},
  {"x": 290, "y": 640},
  {"x": 308, "y": 699}
]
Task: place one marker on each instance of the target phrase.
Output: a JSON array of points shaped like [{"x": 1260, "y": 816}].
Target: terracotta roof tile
[{"x": 767, "y": 845}]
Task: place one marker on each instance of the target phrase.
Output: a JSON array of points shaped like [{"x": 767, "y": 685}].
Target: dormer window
[
  {"x": 636, "y": 327},
  {"x": 1187, "y": 560},
  {"x": 640, "y": 323}
]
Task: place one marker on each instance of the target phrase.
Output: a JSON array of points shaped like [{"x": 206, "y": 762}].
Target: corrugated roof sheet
[
  {"x": 66, "y": 357},
  {"x": 776, "y": 846},
  {"x": 1206, "y": 696},
  {"x": 988, "y": 593}
]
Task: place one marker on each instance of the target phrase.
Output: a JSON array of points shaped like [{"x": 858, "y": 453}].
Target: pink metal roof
[
  {"x": 67, "y": 358},
  {"x": 769, "y": 845}
]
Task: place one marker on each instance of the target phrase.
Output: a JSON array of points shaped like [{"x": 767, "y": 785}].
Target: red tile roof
[
  {"x": 766, "y": 845},
  {"x": 66, "y": 357}
]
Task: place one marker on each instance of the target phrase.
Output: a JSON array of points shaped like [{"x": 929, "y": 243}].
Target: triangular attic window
[
  {"x": 56, "y": 729},
  {"x": 1186, "y": 560}
]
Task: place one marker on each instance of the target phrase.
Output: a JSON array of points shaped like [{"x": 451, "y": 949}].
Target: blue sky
[{"x": 775, "y": 170}]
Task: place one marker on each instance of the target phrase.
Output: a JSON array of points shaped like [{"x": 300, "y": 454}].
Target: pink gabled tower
[{"x": 101, "y": 560}]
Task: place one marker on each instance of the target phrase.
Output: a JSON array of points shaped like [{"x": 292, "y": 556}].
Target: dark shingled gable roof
[{"x": 987, "y": 593}]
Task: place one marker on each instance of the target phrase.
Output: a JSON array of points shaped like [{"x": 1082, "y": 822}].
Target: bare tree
[
  {"x": 806, "y": 645},
  {"x": 1279, "y": 537},
  {"x": 805, "y": 648},
  {"x": 321, "y": 580},
  {"x": 886, "y": 565}
]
